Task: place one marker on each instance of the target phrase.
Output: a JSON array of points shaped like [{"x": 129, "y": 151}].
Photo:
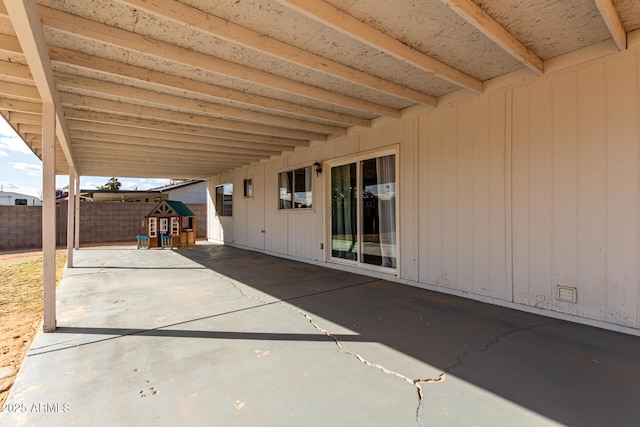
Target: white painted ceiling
[{"x": 193, "y": 88}]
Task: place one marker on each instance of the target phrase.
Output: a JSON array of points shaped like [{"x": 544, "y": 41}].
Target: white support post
[
  {"x": 49, "y": 215},
  {"x": 71, "y": 213},
  {"x": 76, "y": 243}
]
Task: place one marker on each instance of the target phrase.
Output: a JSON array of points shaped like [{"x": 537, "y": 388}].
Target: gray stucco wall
[{"x": 100, "y": 222}]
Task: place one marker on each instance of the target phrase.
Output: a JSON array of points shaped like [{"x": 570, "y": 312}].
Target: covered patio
[{"x": 216, "y": 335}]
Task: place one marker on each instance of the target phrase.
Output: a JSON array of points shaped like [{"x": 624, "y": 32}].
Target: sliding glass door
[{"x": 363, "y": 211}]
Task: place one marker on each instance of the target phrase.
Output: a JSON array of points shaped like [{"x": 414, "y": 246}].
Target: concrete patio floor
[{"x": 214, "y": 335}]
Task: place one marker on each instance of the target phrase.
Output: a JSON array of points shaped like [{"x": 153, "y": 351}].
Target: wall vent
[{"x": 567, "y": 293}]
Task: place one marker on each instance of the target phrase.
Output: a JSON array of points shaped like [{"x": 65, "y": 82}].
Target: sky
[{"x": 21, "y": 170}]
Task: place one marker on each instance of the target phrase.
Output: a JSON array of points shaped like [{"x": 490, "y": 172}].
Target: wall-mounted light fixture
[{"x": 318, "y": 168}]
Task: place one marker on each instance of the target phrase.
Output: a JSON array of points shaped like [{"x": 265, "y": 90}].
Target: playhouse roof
[{"x": 171, "y": 207}]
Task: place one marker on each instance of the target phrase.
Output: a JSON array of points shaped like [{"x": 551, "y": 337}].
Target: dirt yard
[{"x": 20, "y": 309}]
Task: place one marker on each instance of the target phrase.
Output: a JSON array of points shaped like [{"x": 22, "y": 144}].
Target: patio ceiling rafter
[
  {"x": 128, "y": 94},
  {"x": 610, "y": 16},
  {"x": 323, "y": 12},
  {"x": 27, "y": 25},
  {"x": 114, "y": 131},
  {"x": 481, "y": 20},
  {"x": 144, "y": 45},
  {"x": 239, "y": 35},
  {"x": 152, "y": 143},
  {"x": 80, "y": 61},
  {"x": 86, "y": 102},
  {"x": 94, "y": 121}
]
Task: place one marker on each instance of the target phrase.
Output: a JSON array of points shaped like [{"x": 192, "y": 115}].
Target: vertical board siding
[
  {"x": 498, "y": 210},
  {"x": 449, "y": 208},
  {"x": 431, "y": 200},
  {"x": 576, "y": 203},
  {"x": 408, "y": 211},
  {"x": 480, "y": 235},
  {"x": 255, "y": 208},
  {"x": 462, "y": 223},
  {"x": 592, "y": 193},
  {"x": 239, "y": 210},
  {"x": 520, "y": 194},
  {"x": 302, "y": 242},
  {"x": 622, "y": 191},
  {"x": 565, "y": 181},
  {"x": 464, "y": 212},
  {"x": 540, "y": 193},
  {"x": 276, "y": 235}
]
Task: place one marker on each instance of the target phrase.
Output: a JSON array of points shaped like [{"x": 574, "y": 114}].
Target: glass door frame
[{"x": 357, "y": 158}]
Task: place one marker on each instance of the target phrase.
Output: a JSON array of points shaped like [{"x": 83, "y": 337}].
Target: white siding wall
[
  {"x": 502, "y": 196},
  {"x": 463, "y": 224},
  {"x": 575, "y": 203},
  {"x": 194, "y": 193}
]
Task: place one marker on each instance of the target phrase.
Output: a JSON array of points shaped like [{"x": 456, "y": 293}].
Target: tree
[{"x": 112, "y": 185}]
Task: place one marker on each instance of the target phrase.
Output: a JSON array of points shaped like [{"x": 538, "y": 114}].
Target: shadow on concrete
[
  {"x": 184, "y": 333},
  {"x": 574, "y": 374}
]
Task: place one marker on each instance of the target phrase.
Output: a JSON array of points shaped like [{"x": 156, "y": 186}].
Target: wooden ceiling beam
[
  {"x": 483, "y": 22},
  {"x": 612, "y": 20},
  {"x": 30, "y": 119},
  {"x": 167, "y": 101},
  {"x": 76, "y": 101},
  {"x": 161, "y": 163},
  {"x": 145, "y": 45},
  {"x": 236, "y": 34},
  {"x": 19, "y": 91},
  {"x": 28, "y": 27},
  {"x": 93, "y": 63},
  {"x": 100, "y": 128},
  {"x": 89, "y": 120},
  {"x": 97, "y": 170},
  {"x": 152, "y": 155},
  {"x": 9, "y": 43},
  {"x": 335, "y": 18},
  {"x": 17, "y": 71},
  {"x": 20, "y": 105},
  {"x": 152, "y": 142},
  {"x": 211, "y": 163}
]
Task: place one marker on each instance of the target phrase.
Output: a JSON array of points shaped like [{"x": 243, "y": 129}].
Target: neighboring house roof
[
  {"x": 177, "y": 185},
  {"x": 171, "y": 207},
  {"x": 8, "y": 198}
]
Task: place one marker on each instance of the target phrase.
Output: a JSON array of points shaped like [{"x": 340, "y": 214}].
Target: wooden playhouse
[{"x": 170, "y": 223}]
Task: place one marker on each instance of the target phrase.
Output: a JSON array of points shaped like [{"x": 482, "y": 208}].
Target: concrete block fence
[{"x": 100, "y": 222}]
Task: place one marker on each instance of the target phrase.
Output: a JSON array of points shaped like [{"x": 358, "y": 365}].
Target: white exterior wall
[
  {"x": 8, "y": 198},
  {"x": 194, "y": 193},
  {"x": 502, "y": 196}
]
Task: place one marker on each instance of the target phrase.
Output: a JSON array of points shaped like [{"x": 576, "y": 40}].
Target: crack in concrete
[
  {"x": 494, "y": 341},
  {"x": 342, "y": 349}
]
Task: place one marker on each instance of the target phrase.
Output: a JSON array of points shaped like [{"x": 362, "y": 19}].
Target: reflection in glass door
[
  {"x": 344, "y": 226},
  {"x": 379, "y": 211},
  {"x": 363, "y": 211}
]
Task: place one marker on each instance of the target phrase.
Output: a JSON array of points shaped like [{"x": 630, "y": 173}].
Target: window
[
  {"x": 21, "y": 202},
  {"x": 295, "y": 189},
  {"x": 175, "y": 225},
  {"x": 224, "y": 200},
  {"x": 153, "y": 224},
  {"x": 248, "y": 188},
  {"x": 164, "y": 225},
  {"x": 363, "y": 211}
]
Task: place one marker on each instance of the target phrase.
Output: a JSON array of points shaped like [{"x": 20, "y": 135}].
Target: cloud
[
  {"x": 14, "y": 144},
  {"x": 8, "y": 186},
  {"x": 4, "y": 154},
  {"x": 28, "y": 168},
  {"x": 22, "y": 189}
]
